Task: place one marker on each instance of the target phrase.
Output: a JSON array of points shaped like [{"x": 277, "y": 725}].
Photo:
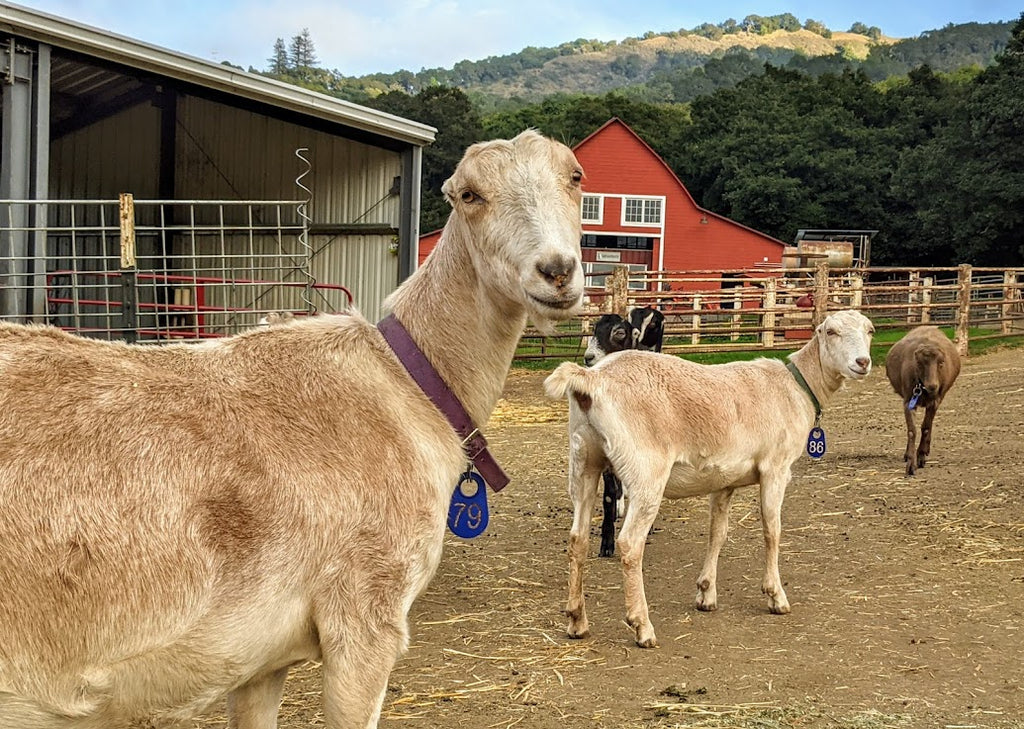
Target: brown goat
[
  {"x": 921, "y": 367},
  {"x": 181, "y": 523}
]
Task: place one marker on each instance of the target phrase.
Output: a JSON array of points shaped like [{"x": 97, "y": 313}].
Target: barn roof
[{"x": 95, "y": 43}]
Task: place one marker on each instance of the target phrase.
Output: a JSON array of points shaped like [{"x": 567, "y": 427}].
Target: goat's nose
[
  {"x": 863, "y": 362},
  {"x": 557, "y": 270},
  {"x": 588, "y": 359}
]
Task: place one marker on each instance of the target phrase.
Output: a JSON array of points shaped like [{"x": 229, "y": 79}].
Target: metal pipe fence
[{"x": 157, "y": 270}]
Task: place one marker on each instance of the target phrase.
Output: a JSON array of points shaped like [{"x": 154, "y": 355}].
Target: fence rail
[{"x": 777, "y": 309}]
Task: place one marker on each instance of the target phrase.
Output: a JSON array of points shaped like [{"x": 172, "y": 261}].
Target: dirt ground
[{"x": 907, "y": 593}]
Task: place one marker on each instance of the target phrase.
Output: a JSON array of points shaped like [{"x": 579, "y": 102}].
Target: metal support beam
[
  {"x": 409, "y": 212},
  {"x": 24, "y": 162}
]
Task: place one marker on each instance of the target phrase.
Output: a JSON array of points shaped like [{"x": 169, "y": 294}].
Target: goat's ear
[{"x": 447, "y": 189}]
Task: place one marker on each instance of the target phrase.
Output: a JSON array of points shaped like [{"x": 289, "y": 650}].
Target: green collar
[{"x": 803, "y": 383}]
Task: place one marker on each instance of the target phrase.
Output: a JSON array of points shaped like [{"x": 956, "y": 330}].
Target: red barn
[{"x": 637, "y": 212}]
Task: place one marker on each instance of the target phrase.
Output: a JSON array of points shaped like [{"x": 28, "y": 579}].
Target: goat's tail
[{"x": 569, "y": 377}]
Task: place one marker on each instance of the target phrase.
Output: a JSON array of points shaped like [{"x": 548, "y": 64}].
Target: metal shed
[{"x": 247, "y": 194}]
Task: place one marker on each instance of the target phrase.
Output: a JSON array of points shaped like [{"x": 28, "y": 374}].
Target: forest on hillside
[{"x": 930, "y": 154}]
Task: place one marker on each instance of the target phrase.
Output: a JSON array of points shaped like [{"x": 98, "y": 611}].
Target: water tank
[{"x": 838, "y": 253}]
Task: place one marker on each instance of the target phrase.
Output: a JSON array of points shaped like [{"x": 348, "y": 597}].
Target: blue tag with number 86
[
  {"x": 467, "y": 514},
  {"x": 816, "y": 442}
]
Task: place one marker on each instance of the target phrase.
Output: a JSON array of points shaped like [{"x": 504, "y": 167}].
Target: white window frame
[
  {"x": 600, "y": 209},
  {"x": 646, "y": 203},
  {"x": 599, "y": 268}
]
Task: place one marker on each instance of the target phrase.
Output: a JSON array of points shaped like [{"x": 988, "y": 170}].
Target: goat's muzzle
[{"x": 558, "y": 271}]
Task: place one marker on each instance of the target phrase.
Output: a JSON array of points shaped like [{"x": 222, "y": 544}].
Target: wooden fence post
[
  {"x": 913, "y": 287},
  {"x": 926, "y": 299},
  {"x": 129, "y": 302},
  {"x": 1009, "y": 290},
  {"x": 618, "y": 284},
  {"x": 963, "y": 313},
  {"x": 820, "y": 293},
  {"x": 695, "y": 337},
  {"x": 737, "y": 317},
  {"x": 857, "y": 291},
  {"x": 768, "y": 319}
]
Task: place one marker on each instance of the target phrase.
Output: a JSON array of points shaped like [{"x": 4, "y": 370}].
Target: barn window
[
  {"x": 641, "y": 211},
  {"x": 592, "y": 208}
]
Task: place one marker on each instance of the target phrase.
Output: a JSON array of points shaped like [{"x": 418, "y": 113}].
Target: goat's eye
[
  {"x": 577, "y": 177},
  {"x": 831, "y": 332},
  {"x": 468, "y": 196}
]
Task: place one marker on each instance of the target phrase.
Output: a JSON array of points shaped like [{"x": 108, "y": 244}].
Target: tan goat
[
  {"x": 921, "y": 368},
  {"x": 183, "y": 522},
  {"x": 670, "y": 428}
]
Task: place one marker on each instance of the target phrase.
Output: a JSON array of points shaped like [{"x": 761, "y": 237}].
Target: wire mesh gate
[{"x": 159, "y": 269}]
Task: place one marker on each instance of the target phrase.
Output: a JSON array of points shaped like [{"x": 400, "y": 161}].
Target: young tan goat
[
  {"x": 179, "y": 523},
  {"x": 921, "y": 368},
  {"x": 670, "y": 428}
]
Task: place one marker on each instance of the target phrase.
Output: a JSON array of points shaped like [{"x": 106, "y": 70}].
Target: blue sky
[{"x": 357, "y": 37}]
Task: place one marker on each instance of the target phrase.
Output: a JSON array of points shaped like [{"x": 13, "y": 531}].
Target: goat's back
[
  {"x": 161, "y": 505},
  {"x": 703, "y": 408}
]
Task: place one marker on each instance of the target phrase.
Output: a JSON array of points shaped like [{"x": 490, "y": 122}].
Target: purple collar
[{"x": 435, "y": 388}]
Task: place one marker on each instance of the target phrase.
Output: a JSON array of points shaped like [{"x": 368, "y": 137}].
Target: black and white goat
[{"x": 645, "y": 329}]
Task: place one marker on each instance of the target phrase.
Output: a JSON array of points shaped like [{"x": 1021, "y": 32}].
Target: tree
[
  {"x": 968, "y": 181},
  {"x": 302, "y": 53},
  {"x": 458, "y": 125},
  {"x": 277, "y": 64}
]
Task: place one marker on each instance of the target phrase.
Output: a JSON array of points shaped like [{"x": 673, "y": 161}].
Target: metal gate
[{"x": 158, "y": 270}]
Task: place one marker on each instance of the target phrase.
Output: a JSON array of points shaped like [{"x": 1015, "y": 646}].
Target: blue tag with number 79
[
  {"x": 816, "y": 442},
  {"x": 467, "y": 514}
]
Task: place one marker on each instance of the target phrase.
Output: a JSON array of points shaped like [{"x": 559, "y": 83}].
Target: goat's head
[
  {"x": 844, "y": 342},
  {"x": 612, "y": 333},
  {"x": 929, "y": 362},
  {"x": 520, "y": 200}
]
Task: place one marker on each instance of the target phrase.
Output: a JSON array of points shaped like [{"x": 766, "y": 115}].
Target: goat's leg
[
  {"x": 924, "y": 448},
  {"x": 644, "y": 499},
  {"x": 356, "y": 670},
  {"x": 707, "y": 583},
  {"x": 610, "y": 512},
  {"x": 583, "y": 479},
  {"x": 255, "y": 705},
  {"x": 773, "y": 490},
  {"x": 910, "y": 454}
]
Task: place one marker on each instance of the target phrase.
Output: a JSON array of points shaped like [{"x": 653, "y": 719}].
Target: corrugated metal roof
[{"x": 66, "y": 34}]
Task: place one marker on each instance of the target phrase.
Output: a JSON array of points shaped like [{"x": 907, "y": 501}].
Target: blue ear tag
[
  {"x": 816, "y": 442},
  {"x": 918, "y": 389},
  {"x": 467, "y": 514}
]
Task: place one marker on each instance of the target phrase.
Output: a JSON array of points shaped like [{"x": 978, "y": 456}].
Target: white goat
[
  {"x": 179, "y": 523},
  {"x": 671, "y": 428}
]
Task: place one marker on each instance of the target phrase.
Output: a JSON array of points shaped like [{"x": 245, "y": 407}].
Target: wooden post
[
  {"x": 1009, "y": 279},
  {"x": 737, "y": 317},
  {"x": 857, "y": 290},
  {"x": 619, "y": 290},
  {"x": 820, "y": 293},
  {"x": 913, "y": 286},
  {"x": 768, "y": 318},
  {"x": 129, "y": 302},
  {"x": 926, "y": 299},
  {"x": 963, "y": 313},
  {"x": 695, "y": 337}
]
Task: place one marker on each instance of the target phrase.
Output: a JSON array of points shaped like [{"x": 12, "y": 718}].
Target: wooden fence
[{"x": 776, "y": 309}]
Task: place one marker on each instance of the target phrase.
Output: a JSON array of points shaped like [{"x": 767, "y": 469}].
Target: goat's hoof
[
  {"x": 579, "y": 627},
  {"x": 705, "y": 604},
  {"x": 572, "y": 633},
  {"x": 607, "y": 551},
  {"x": 911, "y": 469},
  {"x": 645, "y": 637}
]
